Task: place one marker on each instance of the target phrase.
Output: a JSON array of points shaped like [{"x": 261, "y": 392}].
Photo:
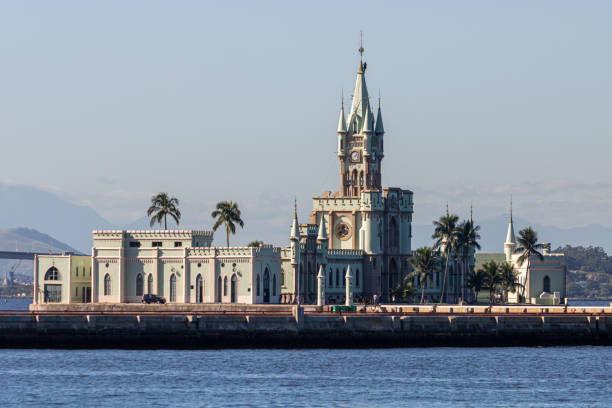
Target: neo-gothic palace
[{"x": 363, "y": 224}]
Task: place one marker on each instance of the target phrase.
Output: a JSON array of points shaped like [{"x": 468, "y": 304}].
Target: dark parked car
[{"x": 153, "y": 299}]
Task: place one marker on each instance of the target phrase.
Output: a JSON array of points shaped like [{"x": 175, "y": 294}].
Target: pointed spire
[
  {"x": 321, "y": 275},
  {"x": 510, "y": 239},
  {"x": 295, "y": 228},
  {"x": 348, "y": 272},
  {"x": 322, "y": 230},
  {"x": 380, "y": 129},
  {"x": 367, "y": 120},
  {"x": 342, "y": 121}
]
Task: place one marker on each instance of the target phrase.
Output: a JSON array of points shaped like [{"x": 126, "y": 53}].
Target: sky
[{"x": 107, "y": 103}]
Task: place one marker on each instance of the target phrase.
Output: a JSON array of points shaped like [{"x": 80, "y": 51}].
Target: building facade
[
  {"x": 363, "y": 224},
  {"x": 544, "y": 280},
  {"x": 180, "y": 266}
]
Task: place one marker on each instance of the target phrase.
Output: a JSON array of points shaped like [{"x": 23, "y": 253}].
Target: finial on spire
[
  {"x": 361, "y": 45},
  {"x": 510, "y": 207},
  {"x": 295, "y": 207}
]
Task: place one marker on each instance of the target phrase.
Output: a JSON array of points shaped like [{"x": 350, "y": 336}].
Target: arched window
[
  {"x": 331, "y": 277},
  {"x": 393, "y": 233},
  {"x": 218, "y": 289},
  {"x": 107, "y": 285},
  {"x": 337, "y": 278},
  {"x": 361, "y": 178},
  {"x": 52, "y": 274},
  {"x": 225, "y": 286},
  {"x": 150, "y": 284},
  {"x": 282, "y": 277},
  {"x": 546, "y": 284},
  {"x": 274, "y": 285},
  {"x": 199, "y": 289},
  {"x": 354, "y": 177},
  {"x": 257, "y": 285},
  {"x": 344, "y": 277},
  {"x": 357, "y": 278},
  {"x": 173, "y": 288},
  {"x": 139, "y": 284},
  {"x": 233, "y": 289}
]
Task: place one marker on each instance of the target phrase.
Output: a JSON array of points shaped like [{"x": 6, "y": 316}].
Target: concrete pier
[{"x": 146, "y": 326}]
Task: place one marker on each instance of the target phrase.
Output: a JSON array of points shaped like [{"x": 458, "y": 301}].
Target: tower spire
[{"x": 510, "y": 207}]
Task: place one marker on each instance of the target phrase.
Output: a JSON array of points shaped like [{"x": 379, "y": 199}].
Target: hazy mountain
[
  {"x": 493, "y": 234},
  {"x": 24, "y": 206},
  {"x": 29, "y": 240}
]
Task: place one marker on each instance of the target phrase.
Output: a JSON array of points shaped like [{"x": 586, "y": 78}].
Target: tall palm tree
[
  {"x": 227, "y": 213},
  {"x": 426, "y": 262},
  {"x": 162, "y": 206},
  {"x": 509, "y": 280},
  {"x": 491, "y": 277},
  {"x": 528, "y": 246},
  {"x": 476, "y": 282},
  {"x": 468, "y": 237},
  {"x": 445, "y": 233}
]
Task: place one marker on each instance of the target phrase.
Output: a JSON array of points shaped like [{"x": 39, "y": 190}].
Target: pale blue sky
[{"x": 108, "y": 102}]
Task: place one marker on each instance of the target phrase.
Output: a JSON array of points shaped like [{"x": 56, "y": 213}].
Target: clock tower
[{"x": 360, "y": 142}]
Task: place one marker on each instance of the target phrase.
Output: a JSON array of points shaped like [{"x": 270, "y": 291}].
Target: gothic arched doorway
[
  {"x": 266, "y": 286},
  {"x": 218, "y": 299}
]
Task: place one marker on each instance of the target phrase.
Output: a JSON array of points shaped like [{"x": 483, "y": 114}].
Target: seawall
[{"x": 292, "y": 328}]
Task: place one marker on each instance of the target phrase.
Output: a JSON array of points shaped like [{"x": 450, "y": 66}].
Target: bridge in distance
[{"x": 28, "y": 255}]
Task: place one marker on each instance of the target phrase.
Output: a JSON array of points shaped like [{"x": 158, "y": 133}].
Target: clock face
[{"x": 355, "y": 156}]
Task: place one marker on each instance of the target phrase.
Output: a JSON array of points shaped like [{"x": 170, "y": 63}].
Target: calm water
[{"x": 436, "y": 377}]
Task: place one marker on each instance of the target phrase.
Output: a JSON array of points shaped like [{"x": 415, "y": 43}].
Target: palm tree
[
  {"x": 405, "y": 289},
  {"x": 163, "y": 205},
  {"x": 445, "y": 233},
  {"x": 426, "y": 263},
  {"x": 528, "y": 246},
  {"x": 476, "y": 282},
  {"x": 468, "y": 237},
  {"x": 255, "y": 243},
  {"x": 227, "y": 213},
  {"x": 508, "y": 279},
  {"x": 491, "y": 277}
]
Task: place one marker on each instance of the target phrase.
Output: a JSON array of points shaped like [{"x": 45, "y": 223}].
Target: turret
[
  {"x": 380, "y": 129},
  {"x": 323, "y": 240},
  {"x": 295, "y": 238}
]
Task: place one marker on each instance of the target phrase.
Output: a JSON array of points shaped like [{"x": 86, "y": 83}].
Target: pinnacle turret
[
  {"x": 322, "y": 230},
  {"x": 295, "y": 228},
  {"x": 342, "y": 121},
  {"x": 380, "y": 129}
]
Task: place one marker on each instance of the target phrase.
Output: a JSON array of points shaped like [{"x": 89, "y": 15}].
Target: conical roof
[
  {"x": 322, "y": 230},
  {"x": 379, "y": 123},
  {"x": 342, "y": 121},
  {"x": 361, "y": 102}
]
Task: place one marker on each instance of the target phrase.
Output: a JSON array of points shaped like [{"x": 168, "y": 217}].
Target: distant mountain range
[
  {"x": 24, "y": 206},
  {"x": 72, "y": 224},
  {"x": 28, "y": 240}
]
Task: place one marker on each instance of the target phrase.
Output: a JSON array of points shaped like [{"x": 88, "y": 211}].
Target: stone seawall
[{"x": 298, "y": 330}]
